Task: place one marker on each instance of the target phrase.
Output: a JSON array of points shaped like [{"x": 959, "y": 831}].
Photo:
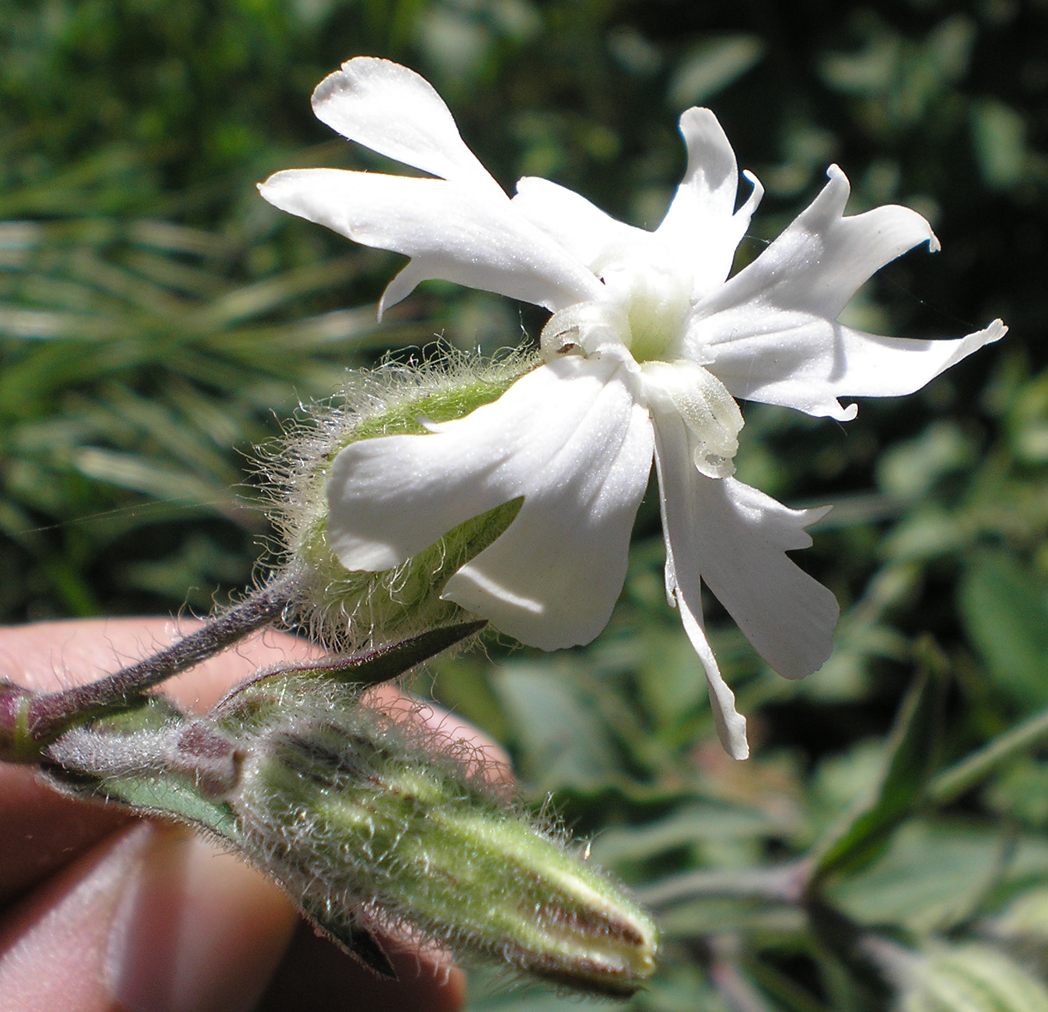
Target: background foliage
[{"x": 157, "y": 319}]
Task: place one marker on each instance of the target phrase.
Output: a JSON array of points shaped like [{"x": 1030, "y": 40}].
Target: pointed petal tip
[
  {"x": 756, "y": 191},
  {"x": 265, "y": 186},
  {"x": 813, "y": 514},
  {"x": 739, "y": 748},
  {"x": 706, "y": 141},
  {"x": 282, "y": 189},
  {"x": 834, "y": 195},
  {"x": 731, "y": 725},
  {"x": 835, "y": 174},
  {"x": 402, "y": 285}
]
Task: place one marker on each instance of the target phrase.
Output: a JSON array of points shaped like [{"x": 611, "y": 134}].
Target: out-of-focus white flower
[{"x": 648, "y": 346}]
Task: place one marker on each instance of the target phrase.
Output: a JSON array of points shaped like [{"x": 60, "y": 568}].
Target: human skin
[{"x": 102, "y": 911}]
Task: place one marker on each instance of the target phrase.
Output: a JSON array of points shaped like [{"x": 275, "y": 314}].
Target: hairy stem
[{"x": 30, "y": 721}]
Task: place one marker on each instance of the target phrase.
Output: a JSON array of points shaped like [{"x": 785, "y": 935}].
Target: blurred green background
[{"x": 158, "y": 319}]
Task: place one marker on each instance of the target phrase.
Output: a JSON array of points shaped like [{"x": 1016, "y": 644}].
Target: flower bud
[
  {"x": 369, "y": 830},
  {"x": 973, "y": 977},
  {"x": 347, "y": 609}
]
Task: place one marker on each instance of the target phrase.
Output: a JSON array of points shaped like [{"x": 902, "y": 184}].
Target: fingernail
[{"x": 195, "y": 930}]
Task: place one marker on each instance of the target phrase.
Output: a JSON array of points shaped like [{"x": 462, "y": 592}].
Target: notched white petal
[
  {"x": 735, "y": 539},
  {"x": 702, "y": 224},
  {"x": 822, "y": 258},
  {"x": 452, "y": 232},
  {"x": 812, "y": 362},
  {"x": 397, "y": 113},
  {"x": 684, "y": 588},
  {"x": 570, "y": 439},
  {"x": 772, "y": 331},
  {"x": 787, "y": 616}
]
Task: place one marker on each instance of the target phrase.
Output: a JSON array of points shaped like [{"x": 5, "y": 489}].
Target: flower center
[
  {"x": 655, "y": 302},
  {"x": 640, "y": 321},
  {"x": 643, "y": 311}
]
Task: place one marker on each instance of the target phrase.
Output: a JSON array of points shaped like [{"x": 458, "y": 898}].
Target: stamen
[{"x": 707, "y": 409}]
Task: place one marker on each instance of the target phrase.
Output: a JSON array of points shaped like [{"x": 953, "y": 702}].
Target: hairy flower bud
[
  {"x": 344, "y": 608},
  {"x": 976, "y": 978},
  {"x": 369, "y": 830}
]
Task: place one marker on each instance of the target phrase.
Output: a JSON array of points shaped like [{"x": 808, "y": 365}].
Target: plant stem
[
  {"x": 785, "y": 884},
  {"x": 31, "y": 721},
  {"x": 953, "y": 782}
]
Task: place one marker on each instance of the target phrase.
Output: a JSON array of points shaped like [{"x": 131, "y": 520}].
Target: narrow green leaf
[
  {"x": 346, "y": 931},
  {"x": 364, "y": 669},
  {"x": 909, "y": 763}
]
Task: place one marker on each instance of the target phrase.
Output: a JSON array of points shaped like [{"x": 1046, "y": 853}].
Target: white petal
[
  {"x": 811, "y": 362},
  {"x": 731, "y": 725},
  {"x": 450, "y": 231},
  {"x": 394, "y": 111},
  {"x": 823, "y": 258},
  {"x": 592, "y": 236},
  {"x": 701, "y": 222},
  {"x": 772, "y": 330},
  {"x": 735, "y": 538},
  {"x": 686, "y": 595},
  {"x": 570, "y": 438},
  {"x": 787, "y": 616}
]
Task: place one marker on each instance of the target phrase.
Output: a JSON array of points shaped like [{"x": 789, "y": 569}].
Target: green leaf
[
  {"x": 170, "y": 796},
  {"x": 370, "y": 667},
  {"x": 1004, "y": 604},
  {"x": 688, "y": 825},
  {"x": 712, "y": 65},
  {"x": 999, "y": 143},
  {"x": 935, "y": 874},
  {"x": 908, "y": 764},
  {"x": 560, "y": 734}
]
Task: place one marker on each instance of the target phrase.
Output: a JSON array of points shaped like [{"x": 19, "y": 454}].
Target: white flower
[{"x": 648, "y": 347}]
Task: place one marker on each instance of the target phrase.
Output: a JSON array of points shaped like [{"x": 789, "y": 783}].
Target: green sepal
[
  {"x": 345, "y": 608},
  {"x": 341, "y": 606},
  {"x": 343, "y": 928}
]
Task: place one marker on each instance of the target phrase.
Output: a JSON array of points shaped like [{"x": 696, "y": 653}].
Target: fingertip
[{"x": 195, "y": 929}]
